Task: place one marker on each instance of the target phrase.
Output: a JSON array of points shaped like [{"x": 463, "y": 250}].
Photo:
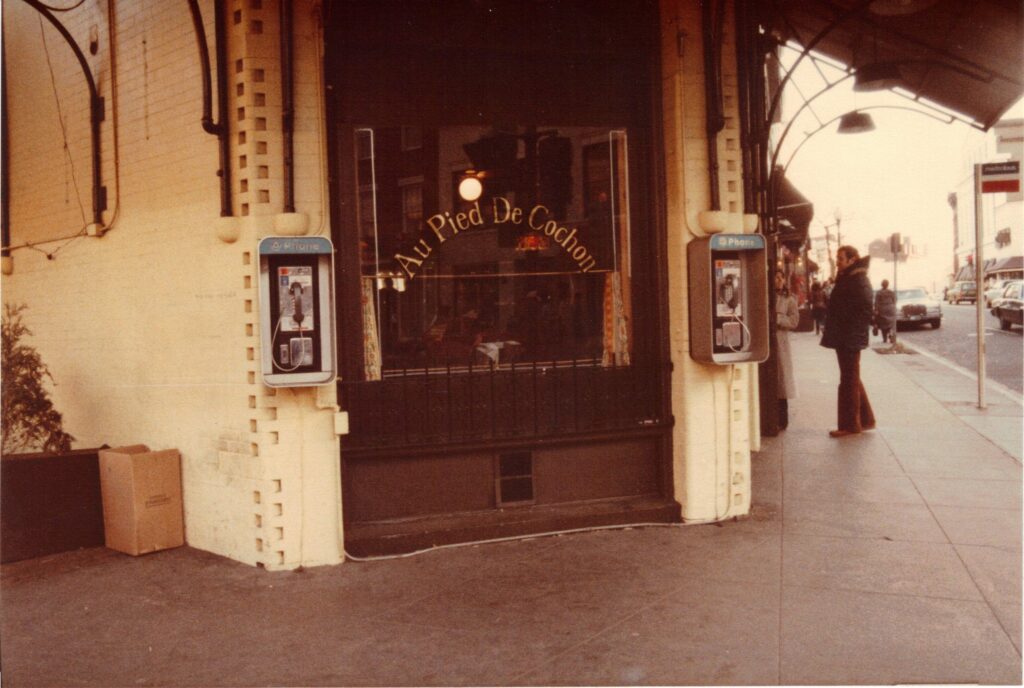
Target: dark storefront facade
[{"x": 499, "y": 269}]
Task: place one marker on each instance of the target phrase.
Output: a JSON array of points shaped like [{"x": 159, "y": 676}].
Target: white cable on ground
[{"x": 529, "y": 536}]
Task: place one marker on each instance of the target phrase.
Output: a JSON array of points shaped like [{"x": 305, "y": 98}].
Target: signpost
[
  {"x": 992, "y": 177},
  {"x": 894, "y": 246}
]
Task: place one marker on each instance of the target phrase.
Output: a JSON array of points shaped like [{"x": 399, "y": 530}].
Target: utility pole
[
  {"x": 838, "y": 215},
  {"x": 828, "y": 249}
]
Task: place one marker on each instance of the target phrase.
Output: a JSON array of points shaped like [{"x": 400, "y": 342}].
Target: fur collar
[{"x": 857, "y": 267}]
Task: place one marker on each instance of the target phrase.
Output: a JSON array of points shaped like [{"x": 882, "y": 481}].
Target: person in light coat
[
  {"x": 885, "y": 311},
  {"x": 787, "y": 317}
]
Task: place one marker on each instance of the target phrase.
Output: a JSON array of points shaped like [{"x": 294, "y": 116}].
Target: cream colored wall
[
  {"x": 715, "y": 406},
  {"x": 151, "y": 330}
]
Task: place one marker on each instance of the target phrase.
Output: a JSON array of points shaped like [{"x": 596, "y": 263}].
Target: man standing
[{"x": 846, "y": 330}]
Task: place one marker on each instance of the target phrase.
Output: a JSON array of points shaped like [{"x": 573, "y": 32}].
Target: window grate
[{"x": 523, "y": 402}]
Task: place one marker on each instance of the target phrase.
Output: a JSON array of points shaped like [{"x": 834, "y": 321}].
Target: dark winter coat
[{"x": 850, "y": 309}]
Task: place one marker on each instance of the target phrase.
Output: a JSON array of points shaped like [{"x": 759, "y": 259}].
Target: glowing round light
[{"x": 470, "y": 189}]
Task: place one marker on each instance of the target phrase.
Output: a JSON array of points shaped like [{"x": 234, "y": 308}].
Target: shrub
[{"x": 30, "y": 422}]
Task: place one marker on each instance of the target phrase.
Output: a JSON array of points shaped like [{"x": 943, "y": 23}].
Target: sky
[{"x": 893, "y": 179}]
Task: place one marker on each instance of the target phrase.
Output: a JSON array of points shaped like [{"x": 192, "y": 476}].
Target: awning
[
  {"x": 1007, "y": 264},
  {"x": 963, "y": 55},
  {"x": 794, "y": 211}
]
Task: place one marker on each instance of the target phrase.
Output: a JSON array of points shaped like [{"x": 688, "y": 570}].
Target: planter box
[{"x": 49, "y": 503}]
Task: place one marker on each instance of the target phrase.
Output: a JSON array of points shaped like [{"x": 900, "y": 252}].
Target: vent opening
[{"x": 514, "y": 481}]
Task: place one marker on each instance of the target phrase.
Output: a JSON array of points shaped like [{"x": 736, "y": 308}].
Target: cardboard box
[{"x": 142, "y": 506}]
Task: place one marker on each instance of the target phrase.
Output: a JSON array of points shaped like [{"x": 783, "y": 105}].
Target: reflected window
[{"x": 493, "y": 247}]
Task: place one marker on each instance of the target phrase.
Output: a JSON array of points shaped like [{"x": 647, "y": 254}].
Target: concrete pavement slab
[
  {"x": 767, "y": 479},
  {"x": 1003, "y": 434},
  {"x": 909, "y": 522},
  {"x": 876, "y": 565},
  {"x": 749, "y": 553},
  {"x": 941, "y": 465},
  {"x": 865, "y": 488},
  {"x": 980, "y": 526},
  {"x": 997, "y": 573},
  {"x": 706, "y": 633},
  {"x": 996, "y": 494},
  {"x": 832, "y": 637},
  {"x": 938, "y": 426},
  {"x": 851, "y": 463},
  {"x": 972, "y": 445},
  {"x": 820, "y": 443}
]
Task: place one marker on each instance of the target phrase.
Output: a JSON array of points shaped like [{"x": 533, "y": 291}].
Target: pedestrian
[
  {"x": 819, "y": 303},
  {"x": 885, "y": 311},
  {"x": 787, "y": 317},
  {"x": 846, "y": 330}
]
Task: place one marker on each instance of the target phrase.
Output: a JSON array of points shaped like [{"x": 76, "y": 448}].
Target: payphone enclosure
[
  {"x": 296, "y": 290},
  {"x": 729, "y": 298}
]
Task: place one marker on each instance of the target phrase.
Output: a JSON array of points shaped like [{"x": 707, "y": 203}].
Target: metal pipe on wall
[
  {"x": 220, "y": 128},
  {"x": 5, "y": 160},
  {"x": 288, "y": 103},
  {"x": 712, "y": 22}
]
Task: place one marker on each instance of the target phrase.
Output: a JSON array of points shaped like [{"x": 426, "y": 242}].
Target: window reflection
[{"x": 533, "y": 270}]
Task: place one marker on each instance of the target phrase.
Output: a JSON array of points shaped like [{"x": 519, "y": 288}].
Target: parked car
[
  {"x": 916, "y": 306},
  {"x": 962, "y": 291},
  {"x": 995, "y": 291},
  {"x": 1009, "y": 306}
]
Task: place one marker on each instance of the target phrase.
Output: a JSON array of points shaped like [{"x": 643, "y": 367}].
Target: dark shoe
[{"x": 840, "y": 433}]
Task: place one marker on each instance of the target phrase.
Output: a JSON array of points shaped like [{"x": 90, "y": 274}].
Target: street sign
[{"x": 1000, "y": 177}]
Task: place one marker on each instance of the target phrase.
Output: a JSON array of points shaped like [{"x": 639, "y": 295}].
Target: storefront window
[{"x": 495, "y": 247}]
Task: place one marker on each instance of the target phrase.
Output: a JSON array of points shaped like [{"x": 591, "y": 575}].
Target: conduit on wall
[
  {"x": 287, "y": 104},
  {"x": 713, "y": 17},
  {"x": 5, "y": 157},
  {"x": 220, "y": 128}
]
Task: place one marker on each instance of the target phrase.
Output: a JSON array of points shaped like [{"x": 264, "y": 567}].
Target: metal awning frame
[
  {"x": 842, "y": 28},
  {"x": 818, "y": 60}
]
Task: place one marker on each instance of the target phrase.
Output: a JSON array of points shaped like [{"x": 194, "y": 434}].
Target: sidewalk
[{"x": 888, "y": 557}]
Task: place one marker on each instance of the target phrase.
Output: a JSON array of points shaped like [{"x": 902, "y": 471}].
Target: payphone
[
  {"x": 296, "y": 291},
  {"x": 729, "y": 298}
]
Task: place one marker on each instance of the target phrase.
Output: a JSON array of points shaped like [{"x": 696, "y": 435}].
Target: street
[{"x": 956, "y": 341}]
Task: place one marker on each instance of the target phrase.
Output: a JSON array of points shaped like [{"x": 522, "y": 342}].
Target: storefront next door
[{"x": 499, "y": 278}]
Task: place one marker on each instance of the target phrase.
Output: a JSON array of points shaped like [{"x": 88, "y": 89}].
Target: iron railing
[{"x": 523, "y": 401}]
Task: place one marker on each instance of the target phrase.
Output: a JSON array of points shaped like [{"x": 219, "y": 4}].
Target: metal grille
[
  {"x": 480, "y": 404},
  {"x": 916, "y": 309}
]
